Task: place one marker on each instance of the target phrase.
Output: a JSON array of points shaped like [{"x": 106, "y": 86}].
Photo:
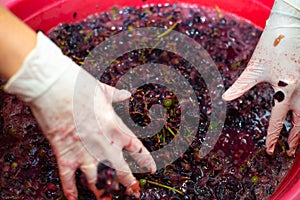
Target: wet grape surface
[{"x": 237, "y": 167}]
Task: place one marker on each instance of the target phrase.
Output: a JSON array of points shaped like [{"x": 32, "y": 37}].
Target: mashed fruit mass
[{"x": 237, "y": 167}]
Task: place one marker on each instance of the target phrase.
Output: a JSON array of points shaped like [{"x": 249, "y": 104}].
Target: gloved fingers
[
  {"x": 294, "y": 136},
  {"x": 278, "y": 115},
  {"x": 136, "y": 148},
  {"x": 141, "y": 155},
  {"x": 252, "y": 75},
  {"x": 90, "y": 176},
  {"x": 114, "y": 94},
  {"x": 126, "y": 178},
  {"x": 67, "y": 178},
  {"x": 90, "y": 172},
  {"x": 120, "y": 95}
]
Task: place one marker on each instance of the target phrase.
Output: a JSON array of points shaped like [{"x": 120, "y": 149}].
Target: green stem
[
  {"x": 169, "y": 129},
  {"x": 167, "y": 31},
  {"x": 165, "y": 186}
]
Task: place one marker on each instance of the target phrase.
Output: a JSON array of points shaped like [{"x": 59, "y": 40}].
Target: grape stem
[
  {"x": 165, "y": 186},
  {"x": 167, "y": 31},
  {"x": 170, "y": 130}
]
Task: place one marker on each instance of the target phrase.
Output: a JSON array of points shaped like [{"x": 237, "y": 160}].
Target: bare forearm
[{"x": 16, "y": 41}]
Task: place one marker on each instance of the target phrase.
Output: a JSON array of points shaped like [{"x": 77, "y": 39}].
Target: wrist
[
  {"x": 16, "y": 41},
  {"x": 40, "y": 70}
]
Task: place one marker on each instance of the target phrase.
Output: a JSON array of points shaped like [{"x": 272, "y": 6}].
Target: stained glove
[
  {"x": 276, "y": 60},
  {"x": 48, "y": 81}
]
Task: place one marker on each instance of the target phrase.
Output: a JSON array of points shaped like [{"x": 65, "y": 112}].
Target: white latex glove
[
  {"x": 47, "y": 81},
  {"x": 276, "y": 60}
]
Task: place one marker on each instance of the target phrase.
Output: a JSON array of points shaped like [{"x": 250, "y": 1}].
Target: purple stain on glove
[
  {"x": 282, "y": 84},
  {"x": 279, "y": 96}
]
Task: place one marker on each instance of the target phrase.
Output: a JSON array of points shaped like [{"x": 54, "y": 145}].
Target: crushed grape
[{"x": 237, "y": 167}]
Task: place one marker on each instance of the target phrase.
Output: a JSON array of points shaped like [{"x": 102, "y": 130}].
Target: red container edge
[
  {"x": 33, "y": 11},
  {"x": 44, "y": 15}
]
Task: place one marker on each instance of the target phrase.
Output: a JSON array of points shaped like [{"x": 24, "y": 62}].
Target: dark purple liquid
[{"x": 237, "y": 168}]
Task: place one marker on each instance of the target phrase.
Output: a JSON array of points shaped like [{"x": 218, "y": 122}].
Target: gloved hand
[
  {"x": 48, "y": 80},
  {"x": 276, "y": 60}
]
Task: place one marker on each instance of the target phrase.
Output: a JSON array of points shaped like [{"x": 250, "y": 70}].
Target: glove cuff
[{"x": 40, "y": 70}]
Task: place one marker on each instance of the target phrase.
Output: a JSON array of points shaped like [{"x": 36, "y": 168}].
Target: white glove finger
[
  {"x": 136, "y": 148},
  {"x": 114, "y": 94},
  {"x": 126, "y": 178},
  {"x": 67, "y": 178},
  {"x": 278, "y": 115},
  {"x": 294, "y": 136},
  {"x": 249, "y": 78},
  {"x": 120, "y": 95},
  {"x": 90, "y": 173},
  {"x": 141, "y": 155}
]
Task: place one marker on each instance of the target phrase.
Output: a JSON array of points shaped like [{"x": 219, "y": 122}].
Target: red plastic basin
[{"x": 44, "y": 15}]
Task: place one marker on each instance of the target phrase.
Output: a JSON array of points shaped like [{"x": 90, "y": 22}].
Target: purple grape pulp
[{"x": 237, "y": 167}]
